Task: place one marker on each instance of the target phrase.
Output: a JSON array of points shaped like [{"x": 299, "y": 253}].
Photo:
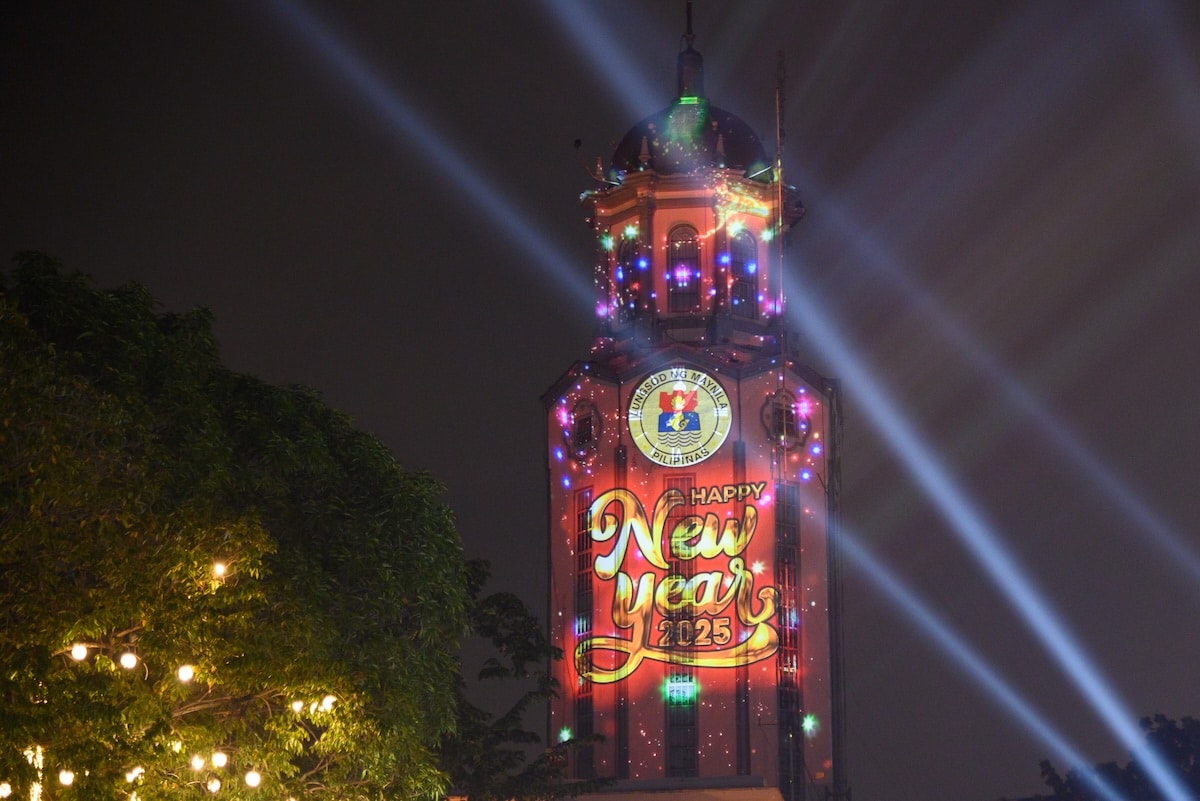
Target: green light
[
  {"x": 736, "y": 227},
  {"x": 606, "y": 241},
  {"x": 690, "y": 100},
  {"x": 631, "y": 232},
  {"x": 809, "y": 725},
  {"x": 564, "y": 734},
  {"x": 768, "y": 234},
  {"x": 680, "y": 690}
]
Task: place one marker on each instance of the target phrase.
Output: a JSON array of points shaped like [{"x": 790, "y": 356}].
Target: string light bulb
[
  {"x": 79, "y": 652},
  {"x": 219, "y": 759},
  {"x": 129, "y": 660},
  {"x": 186, "y": 673},
  {"x": 253, "y": 778},
  {"x": 66, "y": 777}
]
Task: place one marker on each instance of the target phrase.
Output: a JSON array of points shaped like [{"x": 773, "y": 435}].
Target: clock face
[{"x": 679, "y": 416}]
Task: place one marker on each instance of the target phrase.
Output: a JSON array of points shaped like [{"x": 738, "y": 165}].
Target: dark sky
[{"x": 1003, "y": 232}]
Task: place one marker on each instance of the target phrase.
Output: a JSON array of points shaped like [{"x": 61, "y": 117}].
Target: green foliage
[
  {"x": 131, "y": 464},
  {"x": 488, "y": 757},
  {"x": 1176, "y": 742}
]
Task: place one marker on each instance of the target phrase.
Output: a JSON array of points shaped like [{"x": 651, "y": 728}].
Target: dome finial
[{"x": 690, "y": 67}]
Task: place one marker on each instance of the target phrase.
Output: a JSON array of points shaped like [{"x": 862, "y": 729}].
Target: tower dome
[{"x": 691, "y": 134}]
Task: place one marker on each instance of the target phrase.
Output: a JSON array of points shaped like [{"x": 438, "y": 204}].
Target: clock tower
[{"x": 693, "y": 481}]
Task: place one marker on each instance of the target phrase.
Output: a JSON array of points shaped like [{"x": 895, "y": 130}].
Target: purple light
[
  {"x": 805, "y": 475},
  {"x": 815, "y": 450},
  {"x": 566, "y": 481},
  {"x": 643, "y": 263}
]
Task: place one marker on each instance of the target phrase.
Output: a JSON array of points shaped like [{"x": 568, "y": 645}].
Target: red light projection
[{"x": 688, "y": 585}]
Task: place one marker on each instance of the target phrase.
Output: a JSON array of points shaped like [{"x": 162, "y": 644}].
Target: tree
[
  {"x": 1178, "y": 744},
  {"x": 488, "y": 756},
  {"x": 206, "y": 582}
]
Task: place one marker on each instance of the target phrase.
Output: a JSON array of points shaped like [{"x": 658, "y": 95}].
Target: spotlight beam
[
  {"x": 496, "y": 206},
  {"x": 983, "y": 543},
  {"x": 952, "y": 173},
  {"x": 607, "y": 51},
  {"x": 1140, "y": 286},
  {"x": 954, "y": 645}
]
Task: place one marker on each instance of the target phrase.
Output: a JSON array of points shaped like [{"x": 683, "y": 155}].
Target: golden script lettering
[{"x": 618, "y": 517}]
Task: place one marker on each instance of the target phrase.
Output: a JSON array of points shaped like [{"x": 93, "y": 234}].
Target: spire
[{"x": 690, "y": 66}]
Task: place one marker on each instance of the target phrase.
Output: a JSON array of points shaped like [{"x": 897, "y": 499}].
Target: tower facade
[{"x": 693, "y": 480}]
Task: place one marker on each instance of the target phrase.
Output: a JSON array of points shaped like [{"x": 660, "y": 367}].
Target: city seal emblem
[{"x": 679, "y": 416}]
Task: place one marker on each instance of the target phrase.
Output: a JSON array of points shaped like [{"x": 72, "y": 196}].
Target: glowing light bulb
[
  {"x": 327, "y": 702},
  {"x": 564, "y": 734},
  {"x": 66, "y": 778},
  {"x": 129, "y": 660},
  {"x": 218, "y": 569},
  {"x": 219, "y": 760},
  {"x": 214, "y": 784},
  {"x": 132, "y": 775},
  {"x": 186, "y": 673},
  {"x": 197, "y": 762},
  {"x": 253, "y": 778},
  {"x": 5, "y": 789},
  {"x": 297, "y": 706},
  {"x": 79, "y": 652}
]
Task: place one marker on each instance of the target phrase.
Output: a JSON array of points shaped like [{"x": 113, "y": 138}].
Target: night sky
[{"x": 1000, "y": 261}]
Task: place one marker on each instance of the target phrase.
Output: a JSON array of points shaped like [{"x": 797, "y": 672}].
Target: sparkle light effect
[
  {"x": 497, "y": 207},
  {"x": 976, "y": 533},
  {"x": 961, "y": 654}
]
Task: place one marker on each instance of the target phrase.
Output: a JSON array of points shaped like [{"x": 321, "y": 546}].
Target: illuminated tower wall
[{"x": 693, "y": 477}]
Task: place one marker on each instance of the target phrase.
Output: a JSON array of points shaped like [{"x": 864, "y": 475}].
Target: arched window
[
  {"x": 627, "y": 279},
  {"x": 683, "y": 270},
  {"x": 743, "y": 276}
]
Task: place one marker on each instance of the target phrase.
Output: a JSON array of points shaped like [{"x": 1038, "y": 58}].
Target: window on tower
[
  {"x": 627, "y": 279},
  {"x": 683, "y": 269},
  {"x": 743, "y": 276}
]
